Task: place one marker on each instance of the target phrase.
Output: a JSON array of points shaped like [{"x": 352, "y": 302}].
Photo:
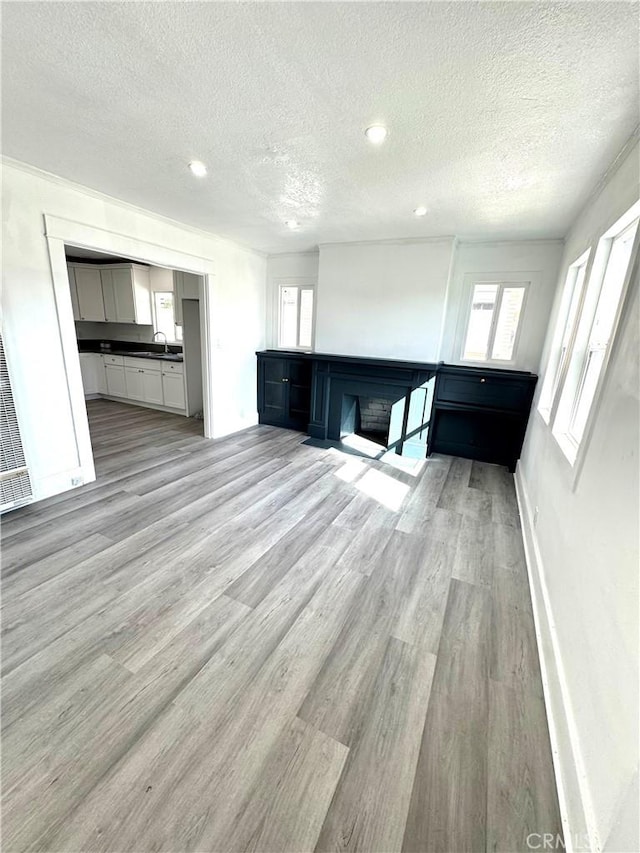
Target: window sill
[{"x": 567, "y": 446}]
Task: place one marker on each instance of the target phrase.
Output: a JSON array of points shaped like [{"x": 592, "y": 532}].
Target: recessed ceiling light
[
  {"x": 292, "y": 224},
  {"x": 198, "y": 168},
  {"x": 376, "y": 134},
  {"x": 420, "y": 211}
]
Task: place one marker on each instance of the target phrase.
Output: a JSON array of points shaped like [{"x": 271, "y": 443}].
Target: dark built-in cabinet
[
  {"x": 481, "y": 413},
  {"x": 284, "y": 390},
  {"x": 477, "y": 413}
]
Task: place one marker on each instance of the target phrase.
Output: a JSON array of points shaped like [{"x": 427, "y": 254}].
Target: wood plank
[
  {"x": 521, "y": 794},
  {"x": 448, "y": 801},
  {"x": 368, "y": 811}
]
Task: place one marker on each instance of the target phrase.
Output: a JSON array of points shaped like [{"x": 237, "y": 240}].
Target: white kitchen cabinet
[
  {"x": 101, "y": 378},
  {"x": 115, "y": 380},
  {"x": 178, "y": 290},
  {"x": 152, "y": 382},
  {"x": 71, "y": 273},
  {"x": 134, "y": 382},
  {"x": 89, "y": 291},
  {"x": 89, "y": 375},
  {"x": 118, "y": 293},
  {"x": 108, "y": 296},
  {"x": 144, "y": 380},
  {"x": 173, "y": 390},
  {"x": 190, "y": 286},
  {"x": 186, "y": 285}
]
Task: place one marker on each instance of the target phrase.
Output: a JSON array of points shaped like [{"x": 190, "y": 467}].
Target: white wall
[
  {"x": 405, "y": 299},
  {"x": 238, "y": 306},
  {"x": 383, "y": 299},
  {"x": 584, "y": 563},
  {"x": 537, "y": 261},
  {"x": 48, "y": 390}
]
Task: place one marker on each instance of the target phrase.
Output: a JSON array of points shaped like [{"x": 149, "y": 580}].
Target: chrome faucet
[{"x": 166, "y": 348}]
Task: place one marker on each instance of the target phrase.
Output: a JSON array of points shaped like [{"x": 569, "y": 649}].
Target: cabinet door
[
  {"x": 89, "y": 288},
  {"x": 152, "y": 383},
  {"x": 190, "y": 286},
  {"x": 122, "y": 283},
  {"x": 101, "y": 377},
  {"x": 178, "y": 294},
  {"x": 108, "y": 296},
  {"x": 173, "y": 390},
  {"x": 275, "y": 397},
  {"x": 135, "y": 383},
  {"x": 74, "y": 292},
  {"x": 87, "y": 369},
  {"x": 116, "y": 385}
]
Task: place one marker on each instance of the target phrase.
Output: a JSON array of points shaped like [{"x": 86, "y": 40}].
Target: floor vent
[{"x": 15, "y": 485}]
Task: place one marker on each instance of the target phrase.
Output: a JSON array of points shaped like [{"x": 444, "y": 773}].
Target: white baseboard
[{"x": 576, "y": 810}]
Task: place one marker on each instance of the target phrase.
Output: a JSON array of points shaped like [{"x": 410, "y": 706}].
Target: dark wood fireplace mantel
[{"x": 477, "y": 412}]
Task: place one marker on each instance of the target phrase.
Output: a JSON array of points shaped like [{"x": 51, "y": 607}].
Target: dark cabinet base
[
  {"x": 477, "y": 413},
  {"x": 481, "y": 413},
  {"x": 284, "y": 391}
]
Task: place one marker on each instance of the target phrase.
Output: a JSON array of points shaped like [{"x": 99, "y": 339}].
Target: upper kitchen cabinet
[
  {"x": 118, "y": 293},
  {"x": 186, "y": 285},
  {"x": 127, "y": 294},
  {"x": 89, "y": 293},
  {"x": 74, "y": 292}
]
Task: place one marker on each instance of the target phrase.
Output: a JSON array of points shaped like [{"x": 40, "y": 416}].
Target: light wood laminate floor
[{"x": 253, "y": 644}]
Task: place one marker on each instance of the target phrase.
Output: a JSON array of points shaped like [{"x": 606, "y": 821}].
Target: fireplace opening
[
  {"x": 368, "y": 417},
  {"x": 375, "y": 417}
]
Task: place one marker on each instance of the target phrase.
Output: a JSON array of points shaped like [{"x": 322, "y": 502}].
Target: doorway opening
[{"x": 139, "y": 340}]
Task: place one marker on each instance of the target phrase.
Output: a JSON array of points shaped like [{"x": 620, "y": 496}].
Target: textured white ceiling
[{"x": 501, "y": 116}]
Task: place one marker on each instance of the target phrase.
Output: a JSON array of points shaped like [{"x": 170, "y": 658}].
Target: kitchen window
[
  {"x": 599, "y": 316},
  {"x": 564, "y": 333},
  {"x": 164, "y": 315},
  {"x": 493, "y": 321},
  {"x": 296, "y": 304}
]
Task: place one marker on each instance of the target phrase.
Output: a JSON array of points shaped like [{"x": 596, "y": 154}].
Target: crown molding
[{"x": 27, "y": 168}]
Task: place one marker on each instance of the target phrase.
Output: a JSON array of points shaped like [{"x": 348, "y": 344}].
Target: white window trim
[
  {"x": 304, "y": 284},
  {"x": 548, "y": 413},
  {"x": 518, "y": 279},
  {"x": 574, "y": 452},
  {"x": 155, "y": 316}
]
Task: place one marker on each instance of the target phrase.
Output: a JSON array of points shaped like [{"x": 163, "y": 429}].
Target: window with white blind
[
  {"x": 598, "y": 319},
  {"x": 295, "y": 316},
  {"x": 494, "y": 320},
  {"x": 564, "y": 333}
]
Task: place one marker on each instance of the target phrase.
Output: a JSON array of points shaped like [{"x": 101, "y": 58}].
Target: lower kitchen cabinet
[
  {"x": 134, "y": 383},
  {"x": 115, "y": 380},
  {"x": 152, "y": 384},
  {"x": 173, "y": 390},
  {"x": 137, "y": 379}
]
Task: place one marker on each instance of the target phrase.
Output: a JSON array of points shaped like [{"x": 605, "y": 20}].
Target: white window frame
[
  {"x": 558, "y": 360},
  {"x": 572, "y": 382},
  {"x": 302, "y": 284},
  {"x": 175, "y": 339},
  {"x": 508, "y": 280}
]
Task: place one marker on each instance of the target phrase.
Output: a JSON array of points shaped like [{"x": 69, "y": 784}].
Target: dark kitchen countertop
[{"x": 132, "y": 350}]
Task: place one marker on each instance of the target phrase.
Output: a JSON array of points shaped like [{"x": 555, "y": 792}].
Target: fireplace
[
  {"x": 385, "y": 403},
  {"x": 366, "y": 416}
]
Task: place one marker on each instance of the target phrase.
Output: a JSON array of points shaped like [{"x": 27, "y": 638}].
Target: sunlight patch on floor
[{"x": 383, "y": 489}]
